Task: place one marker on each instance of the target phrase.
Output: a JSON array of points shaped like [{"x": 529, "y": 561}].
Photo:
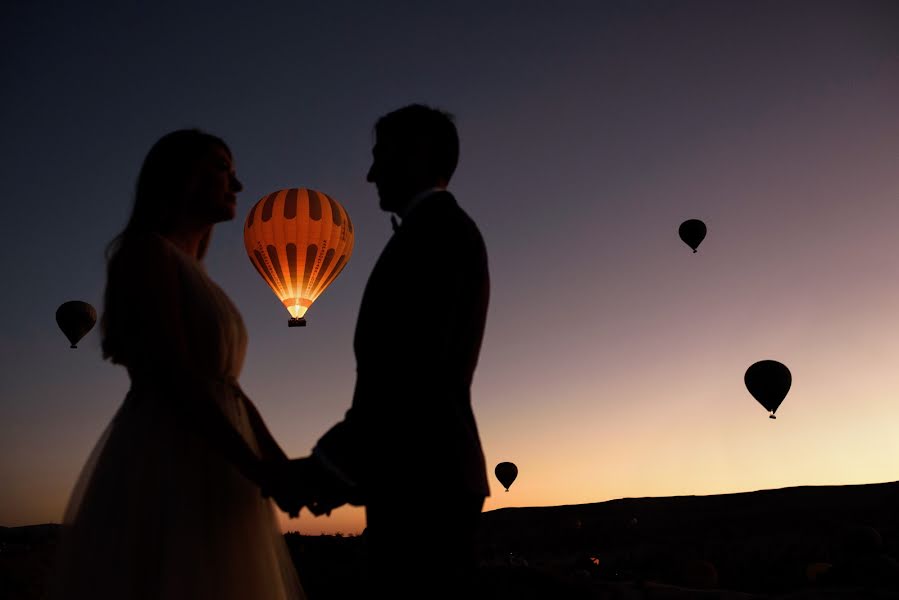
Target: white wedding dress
[{"x": 157, "y": 512}]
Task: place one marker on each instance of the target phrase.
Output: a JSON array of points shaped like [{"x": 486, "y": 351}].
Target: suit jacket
[{"x": 411, "y": 429}]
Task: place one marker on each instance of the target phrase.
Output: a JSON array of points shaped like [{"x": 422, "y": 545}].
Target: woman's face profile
[{"x": 213, "y": 186}]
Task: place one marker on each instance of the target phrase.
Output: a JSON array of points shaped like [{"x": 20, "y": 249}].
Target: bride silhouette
[{"x": 168, "y": 505}]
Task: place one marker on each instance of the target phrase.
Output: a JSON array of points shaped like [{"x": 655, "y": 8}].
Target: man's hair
[{"x": 418, "y": 125}]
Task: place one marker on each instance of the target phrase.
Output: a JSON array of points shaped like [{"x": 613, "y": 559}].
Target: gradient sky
[{"x": 613, "y": 360}]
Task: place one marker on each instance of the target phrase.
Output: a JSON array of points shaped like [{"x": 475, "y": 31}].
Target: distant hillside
[
  {"x": 29, "y": 534},
  {"x": 826, "y": 541},
  {"x": 806, "y": 508},
  {"x": 763, "y": 541}
]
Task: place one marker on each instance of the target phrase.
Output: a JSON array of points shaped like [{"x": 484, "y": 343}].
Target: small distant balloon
[
  {"x": 768, "y": 381},
  {"x": 75, "y": 318},
  {"x": 692, "y": 232},
  {"x": 506, "y": 472}
]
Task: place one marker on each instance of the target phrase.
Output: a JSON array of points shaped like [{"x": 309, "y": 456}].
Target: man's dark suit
[{"x": 410, "y": 440}]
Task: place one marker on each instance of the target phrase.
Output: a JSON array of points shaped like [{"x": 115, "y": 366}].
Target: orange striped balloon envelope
[{"x": 299, "y": 240}]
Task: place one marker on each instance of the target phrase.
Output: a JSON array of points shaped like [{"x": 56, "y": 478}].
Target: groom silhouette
[{"x": 408, "y": 448}]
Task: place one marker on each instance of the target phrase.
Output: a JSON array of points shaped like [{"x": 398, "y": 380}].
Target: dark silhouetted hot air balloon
[
  {"x": 75, "y": 318},
  {"x": 506, "y": 472},
  {"x": 817, "y": 571},
  {"x": 299, "y": 240},
  {"x": 692, "y": 232},
  {"x": 768, "y": 381}
]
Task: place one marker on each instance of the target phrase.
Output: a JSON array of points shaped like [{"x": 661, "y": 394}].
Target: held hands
[
  {"x": 301, "y": 482},
  {"x": 285, "y": 482}
]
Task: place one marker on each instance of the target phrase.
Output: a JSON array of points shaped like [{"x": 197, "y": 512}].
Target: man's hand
[
  {"x": 301, "y": 482},
  {"x": 332, "y": 490},
  {"x": 284, "y": 481},
  {"x": 323, "y": 504}
]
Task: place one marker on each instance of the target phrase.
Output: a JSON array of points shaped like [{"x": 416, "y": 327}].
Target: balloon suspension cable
[{"x": 296, "y": 322}]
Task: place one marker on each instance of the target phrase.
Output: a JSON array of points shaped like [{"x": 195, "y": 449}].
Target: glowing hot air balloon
[
  {"x": 75, "y": 318},
  {"x": 506, "y": 472},
  {"x": 768, "y": 381},
  {"x": 692, "y": 232},
  {"x": 299, "y": 240}
]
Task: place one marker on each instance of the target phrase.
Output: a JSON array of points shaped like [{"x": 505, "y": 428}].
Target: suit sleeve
[{"x": 435, "y": 323}]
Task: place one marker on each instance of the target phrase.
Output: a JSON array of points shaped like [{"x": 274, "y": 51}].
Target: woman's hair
[
  {"x": 160, "y": 184},
  {"x": 158, "y": 199}
]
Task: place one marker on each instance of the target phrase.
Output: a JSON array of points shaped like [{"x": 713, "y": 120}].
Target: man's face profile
[{"x": 398, "y": 170}]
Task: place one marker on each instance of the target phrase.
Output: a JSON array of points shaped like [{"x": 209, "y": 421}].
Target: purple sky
[{"x": 614, "y": 357}]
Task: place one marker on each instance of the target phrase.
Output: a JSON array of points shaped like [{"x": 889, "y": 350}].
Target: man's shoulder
[{"x": 445, "y": 212}]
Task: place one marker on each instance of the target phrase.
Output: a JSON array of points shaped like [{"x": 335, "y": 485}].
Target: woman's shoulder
[
  {"x": 144, "y": 244},
  {"x": 144, "y": 241},
  {"x": 143, "y": 252}
]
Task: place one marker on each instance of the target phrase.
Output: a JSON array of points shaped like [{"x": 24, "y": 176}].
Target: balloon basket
[
  {"x": 299, "y": 322},
  {"x": 771, "y": 417},
  {"x": 73, "y": 346}
]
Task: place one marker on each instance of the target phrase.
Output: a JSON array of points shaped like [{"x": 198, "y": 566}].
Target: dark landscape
[{"x": 802, "y": 542}]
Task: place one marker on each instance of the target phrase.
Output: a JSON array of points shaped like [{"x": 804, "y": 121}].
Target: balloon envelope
[
  {"x": 816, "y": 571},
  {"x": 506, "y": 472},
  {"x": 768, "y": 381},
  {"x": 692, "y": 232},
  {"x": 75, "y": 318},
  {"x": 299, "y": 240}
]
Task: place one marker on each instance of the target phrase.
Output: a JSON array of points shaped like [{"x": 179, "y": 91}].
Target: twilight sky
[{"x": 613, "y": 360}]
